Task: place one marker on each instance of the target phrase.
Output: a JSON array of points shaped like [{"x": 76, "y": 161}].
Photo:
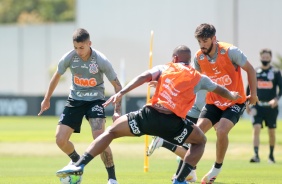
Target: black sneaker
[{"x": 255, "y": 159}]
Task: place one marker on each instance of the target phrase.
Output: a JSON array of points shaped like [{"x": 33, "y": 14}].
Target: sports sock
[
  {"x": 169, "y": 146},
  {"x": 256, "y": 150},
  {"x": 184, "y": 171},
  {"x": 74, "y": 156},
  {"x": 217, "y": 165},
  {"x": 111, "y": 172},
  {"x": 271, "y": 148},
  {"x": 179, "y": 167},
  {"x": 84, "y": 159}
]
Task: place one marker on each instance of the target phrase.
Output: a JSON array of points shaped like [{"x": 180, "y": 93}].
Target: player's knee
[{"x": 60, "y": 141}]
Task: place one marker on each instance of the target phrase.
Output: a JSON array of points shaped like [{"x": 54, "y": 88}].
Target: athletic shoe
[
  {"x": 210, "y": 177},
  {"x": 271, "y": 160},
  {"x": 112, "y": 181},
  {"x": 70, "y": 170},
  {"x": 255, "y": 159},
  {"x": 156, "y": 143},
  {"x": 192, "y": 177},
  {"x": 178, "y": 182}
]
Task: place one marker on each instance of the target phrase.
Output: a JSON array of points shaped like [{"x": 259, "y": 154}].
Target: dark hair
[
  {"x": 183, "y": 53},
  {"x": 205, "y": 31},
  {"x": 266, "y": 51},
  {"x": 80, "y": 35}
]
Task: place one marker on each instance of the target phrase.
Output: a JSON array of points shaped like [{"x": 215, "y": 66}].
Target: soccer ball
[{"x": 71, "y": 179}]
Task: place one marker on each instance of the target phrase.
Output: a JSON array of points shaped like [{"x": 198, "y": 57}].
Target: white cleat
[{"x": 156, "y": 143}]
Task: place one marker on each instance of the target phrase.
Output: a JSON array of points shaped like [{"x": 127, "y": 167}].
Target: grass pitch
[{"x": 29, "y": 155}]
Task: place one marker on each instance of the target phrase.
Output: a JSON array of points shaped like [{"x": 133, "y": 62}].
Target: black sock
[
  {"x": 217, "y": 165},
  {"x": 74, "y": 156},
  {"x": 184, "y": 171},
  {"x": 271, "y": 148},
  {"x": 179, "y": 167},
  {"x": 256, "y": 150},
  {"x": 111, "y": 172},
  {"x": 169, "y": 146},
  {"x": 84, "y": 159}
]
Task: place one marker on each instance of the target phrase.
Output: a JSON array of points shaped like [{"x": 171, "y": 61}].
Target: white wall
[{"x": 121, "y": 30}]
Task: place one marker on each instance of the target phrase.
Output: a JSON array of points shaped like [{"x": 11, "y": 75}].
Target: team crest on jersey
[
  {"x": 202, "y": 57},
  {"x": 222, "y": 51},
  {"x": 93, "y": 68}
]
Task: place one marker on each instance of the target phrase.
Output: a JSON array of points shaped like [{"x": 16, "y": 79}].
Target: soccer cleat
[
  {"x": 174, "y": 181},
  {"x": 255, "y": 159},
  {"x": 112, "y": 181},
  {"x": 192, "y": 177},
  {"x": 210, "y": 177},
  {"x": 156, "y": 143},
  {"x": 271, "y": 160},
  {"x": 70, "y": 170}
]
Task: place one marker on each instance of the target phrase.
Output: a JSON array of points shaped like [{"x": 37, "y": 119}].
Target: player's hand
[
  {"x": 253, "y": 100},
  {"x": 153, "y": 84},
  {"x": 273, "y": 103},
  {"x": 45, "y": 105},
  {"x": 115, "y": 116},
  {"x": 235, "y": 95},
  {"x": 113, "y": 99}
]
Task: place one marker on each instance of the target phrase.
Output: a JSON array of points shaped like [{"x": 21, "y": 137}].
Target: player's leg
[
  {"x": 193, "y": 155},
  {"x": 98, "y": 127},
  {"x": 257, "y": 114},
  {"x": 119, "y": 129},
  {"x": 158, "y": 142},
  {"x": 70, "y": 121},
  {"x": 271, "y": 122},
  {"x": 228, "y": 118}
]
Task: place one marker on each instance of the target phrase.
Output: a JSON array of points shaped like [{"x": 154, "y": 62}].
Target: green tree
[{"x": 36, "y": 11}]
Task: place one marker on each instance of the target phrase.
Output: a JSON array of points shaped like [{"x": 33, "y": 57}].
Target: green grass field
[{"x": 29, "y": 155}]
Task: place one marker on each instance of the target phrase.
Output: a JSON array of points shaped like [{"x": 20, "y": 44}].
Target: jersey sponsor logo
[
  {"x": 216, "y": 71},
  {"x": 83, "y": 94},
  {"x": 74, "y": 66},
  {"x": 235, "y": 108},
  {"x": 265, "y": 85},
  {"x": 133, "y": 126},
  {"x": 181, "y": 136},
  {"x": 98, "y": 109},
  {"x": 225, "y": 104},
  {"x": 93, "y": 68},
  {"x": 61, "y": 117},
  {"x": 224, "y": 80},
  {"x": 84, "y": 66},
  {"x": 84, "y": 82}
]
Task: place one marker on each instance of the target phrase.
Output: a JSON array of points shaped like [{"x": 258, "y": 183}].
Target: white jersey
[{"x": 87, "y": 76}]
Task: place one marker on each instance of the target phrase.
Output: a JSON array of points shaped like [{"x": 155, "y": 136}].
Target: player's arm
[
  {"x": 117, "y": 109},
  {"x": 207, "y": 84},
  {"x": 134, "y": 83},
  {"x": 252, "y": 80},
  {"x": 45, "y": 104}
]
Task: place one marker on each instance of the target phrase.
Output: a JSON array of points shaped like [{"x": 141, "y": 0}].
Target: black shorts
[
  {"x": 267, "y": 114},
  {"x": 167, "y": 126},
  {"x": 75, "y": 110},
  {"x": 214, "y": 114}
]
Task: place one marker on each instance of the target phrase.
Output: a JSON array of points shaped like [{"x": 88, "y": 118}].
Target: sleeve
[
  {"x": 279, "y": 84},
  {"x": 63, "y": 64},
  {"x": 106, "y": 67},
  {"x": 195, "y": 64},
  {"x": 237, "y": 56},
  {"x": 156, "y": 71},
  {"x": 206, "y": 84}
]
